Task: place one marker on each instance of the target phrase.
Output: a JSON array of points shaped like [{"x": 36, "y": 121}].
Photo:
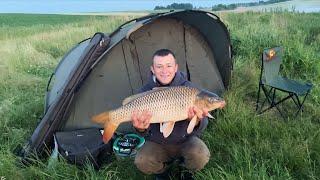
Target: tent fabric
[
  {"x": 63, "y": 70},
  {"x": 85, "y": 85}
]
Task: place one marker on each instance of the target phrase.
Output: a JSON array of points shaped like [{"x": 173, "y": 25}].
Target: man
[{"x": 154, "y": 156}]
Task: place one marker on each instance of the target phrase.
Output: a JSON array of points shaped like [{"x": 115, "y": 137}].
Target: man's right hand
[{"x": 141, "y": 121}]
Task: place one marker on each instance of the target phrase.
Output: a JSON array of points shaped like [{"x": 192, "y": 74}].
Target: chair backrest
[{"x": 271, "y": 61}]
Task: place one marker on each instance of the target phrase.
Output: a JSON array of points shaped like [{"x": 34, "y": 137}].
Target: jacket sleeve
[{"x": 201, "y": 127}]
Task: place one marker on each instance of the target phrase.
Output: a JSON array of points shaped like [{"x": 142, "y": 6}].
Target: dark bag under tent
[
  {"x": 83, "y": 146},
  {"x": 99, "y": 72}
]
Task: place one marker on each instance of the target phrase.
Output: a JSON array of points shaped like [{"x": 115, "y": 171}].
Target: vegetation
[
  {"x": 243, "y": 145},
  {"x": 233, "y": 6},
  {"x": 218, "y": 7},
  {"x": 175, "y": 6}
]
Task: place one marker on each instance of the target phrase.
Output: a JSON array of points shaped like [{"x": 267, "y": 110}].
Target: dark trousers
[{"x": 153, "y": 158}]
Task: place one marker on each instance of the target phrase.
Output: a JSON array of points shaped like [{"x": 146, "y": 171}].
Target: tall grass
[{"x": 243, "y": 145}]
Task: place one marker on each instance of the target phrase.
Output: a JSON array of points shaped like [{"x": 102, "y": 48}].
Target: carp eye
[{"x": 213, "y": 99}]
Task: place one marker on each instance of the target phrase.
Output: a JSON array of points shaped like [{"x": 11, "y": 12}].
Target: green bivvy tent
[{"x": 99, "y": 72}]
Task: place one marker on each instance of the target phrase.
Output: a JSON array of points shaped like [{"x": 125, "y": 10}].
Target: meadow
[
  {"x": 243, "y": 144},
  {"x": 293, "y": 5}
]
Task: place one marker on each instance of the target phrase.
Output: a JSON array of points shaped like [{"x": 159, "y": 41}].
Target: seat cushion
[{"x": 289, "y": 85}]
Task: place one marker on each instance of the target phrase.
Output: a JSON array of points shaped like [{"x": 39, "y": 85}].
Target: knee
[
  {"x": 148, "y": 164},
  {"x": 197, "y": 157},
  {"x": 143, "y": 160}
]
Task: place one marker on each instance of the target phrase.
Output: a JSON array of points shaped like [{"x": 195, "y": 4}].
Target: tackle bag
[{"x": 83, "y": 146}]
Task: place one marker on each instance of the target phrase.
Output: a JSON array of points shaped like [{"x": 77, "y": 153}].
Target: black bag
[{"x": 82, "y": 146}]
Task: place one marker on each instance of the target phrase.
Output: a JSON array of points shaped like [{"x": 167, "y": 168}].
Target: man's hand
[
  {"x": 200, "y": 113},
  {"x": 141, "y": 121}
]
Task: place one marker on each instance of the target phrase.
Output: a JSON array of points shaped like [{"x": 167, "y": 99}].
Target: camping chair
[{"x": 271, "y": 82}]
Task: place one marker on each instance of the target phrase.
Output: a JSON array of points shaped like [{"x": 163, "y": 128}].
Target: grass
[{"x": 243, "y": 145}]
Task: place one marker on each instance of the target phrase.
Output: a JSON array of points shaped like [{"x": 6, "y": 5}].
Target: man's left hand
[{"x": 200, "y": 113}]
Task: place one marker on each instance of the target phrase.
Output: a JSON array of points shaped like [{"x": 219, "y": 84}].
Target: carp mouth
[{"x": 211, "y": 100}]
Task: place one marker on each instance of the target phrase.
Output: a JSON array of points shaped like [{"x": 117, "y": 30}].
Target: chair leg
[
  {"x": 271, "y": 98},
  {"x": 257, "y": 103},
  {"x": 301, "y": 104},
  {"x": 274, "y": 104},
  {"x": 264, "y": 90},
  {"x": 272, "y": 101},
  {"x": 283, "y": 99},
  {"x": 295, "y": 99},
  {"x": 267, "y": 94}
]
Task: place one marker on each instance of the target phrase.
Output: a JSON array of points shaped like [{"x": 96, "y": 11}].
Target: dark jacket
[{"x": 179, "y": 133}]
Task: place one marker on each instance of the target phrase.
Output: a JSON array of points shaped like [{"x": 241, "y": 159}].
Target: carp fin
[
  {"x": 133, "y": 97},
  {"x": 167, "y": 128},
  {"x": 109, "y": 129},
  {"x": 159, "y": 88},
  {"x": 136, "y": 96},
  {"x": 192, "y": 124},
  {"x": 210, "y": 116},
  {"x": 101, "y": 118}
]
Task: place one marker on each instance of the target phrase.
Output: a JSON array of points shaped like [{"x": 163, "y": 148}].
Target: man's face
[{"x": 164, "y": 68}]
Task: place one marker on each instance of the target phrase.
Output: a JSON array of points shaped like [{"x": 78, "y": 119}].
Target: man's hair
[{"x": 163, "y": 52}]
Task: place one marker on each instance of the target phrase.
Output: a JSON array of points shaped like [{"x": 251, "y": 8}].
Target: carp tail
[
  {"x": 101, "y": 118},
  {"x": 109, "y": 126},
  {"x": 109, "y": 129}
]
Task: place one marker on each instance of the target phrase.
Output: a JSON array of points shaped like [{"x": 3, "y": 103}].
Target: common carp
[{"x": 166, "y": 104}]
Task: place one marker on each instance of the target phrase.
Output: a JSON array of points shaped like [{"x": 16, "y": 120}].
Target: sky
[{"x": 79, "y": 6}]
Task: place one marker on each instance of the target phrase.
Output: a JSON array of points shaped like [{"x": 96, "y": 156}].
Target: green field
[{"x": 243, "y": 145}]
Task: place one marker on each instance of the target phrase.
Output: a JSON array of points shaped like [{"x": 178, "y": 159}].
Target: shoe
[
  {"x": 163, "y": 176},
  {"x": 186, "y": 175}
]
